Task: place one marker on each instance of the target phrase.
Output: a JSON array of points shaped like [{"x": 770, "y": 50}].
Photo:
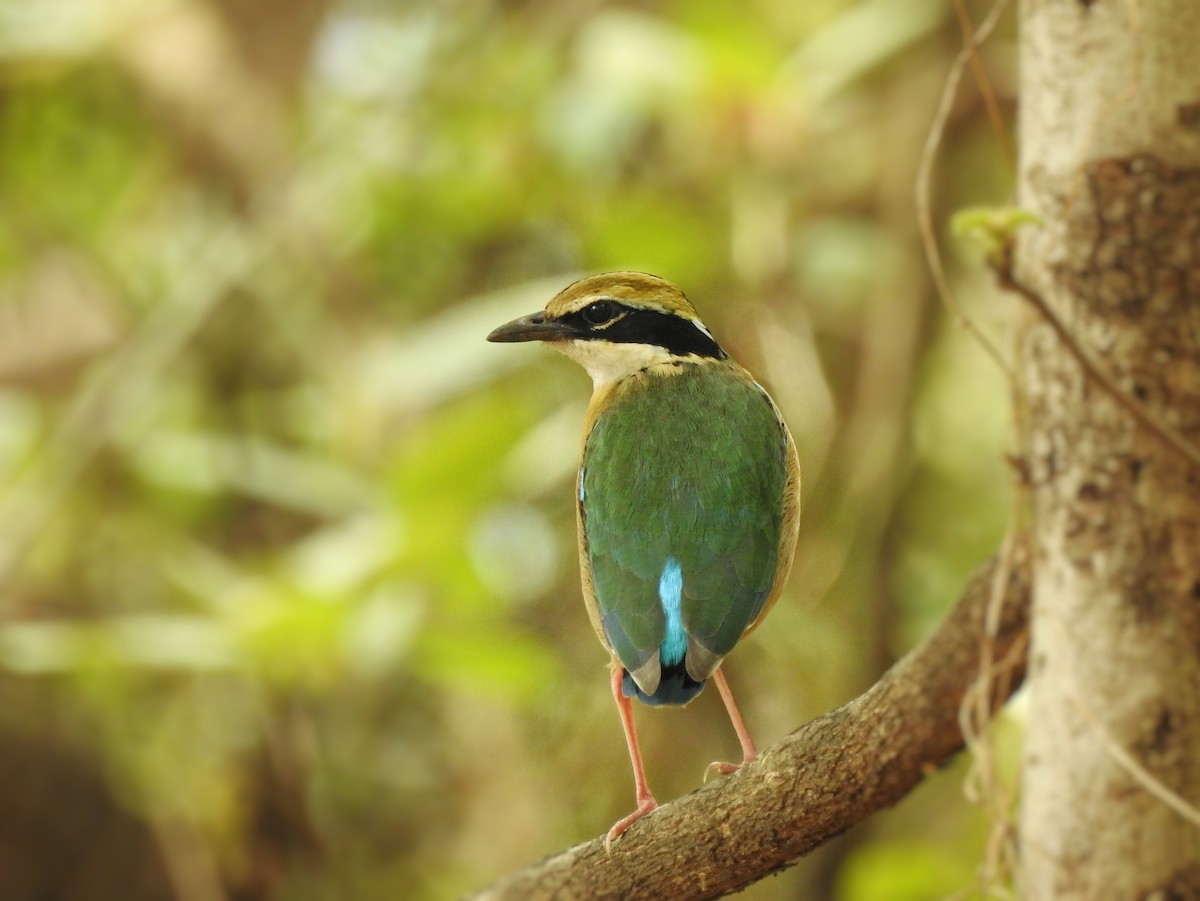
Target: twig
[
  {"x": 984, "y": 84},
  {"x": 1120, "y": 755},
  {"x": 1139, "y": 773},
  {"x": 924, "y": 175},
  {"x": 1003, "y": 267},
  {"x": 983, "y": 785}
]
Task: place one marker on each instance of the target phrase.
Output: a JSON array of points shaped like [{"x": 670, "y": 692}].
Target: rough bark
[
  {"x": 1110, "y": 153},
  {"x": 816, "y": 783}
]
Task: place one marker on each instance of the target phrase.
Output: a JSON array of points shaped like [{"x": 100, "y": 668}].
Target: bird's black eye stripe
[
  {"x": 600, "y": 312},
  {"x": 629, "y": 325}
]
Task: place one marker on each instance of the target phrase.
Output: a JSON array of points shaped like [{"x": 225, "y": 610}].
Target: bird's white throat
[{"x": 608, "y": 362}]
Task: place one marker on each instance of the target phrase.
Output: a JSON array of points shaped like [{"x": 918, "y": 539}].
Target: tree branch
[{"x": 815, "y": 784}]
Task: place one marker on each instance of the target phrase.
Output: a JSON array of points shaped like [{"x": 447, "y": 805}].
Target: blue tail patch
[
  {"x": 675, "y": 688},
  {"x": 670, "y": 593}
]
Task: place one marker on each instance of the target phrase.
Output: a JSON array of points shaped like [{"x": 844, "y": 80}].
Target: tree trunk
[{"x": 1110, "y": 132}]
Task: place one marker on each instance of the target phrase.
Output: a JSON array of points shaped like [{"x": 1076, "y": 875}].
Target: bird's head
[{"x": 616, "y": 324}]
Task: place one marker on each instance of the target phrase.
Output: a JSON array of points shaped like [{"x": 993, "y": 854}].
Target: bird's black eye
[{"x": 600, "y": 312}]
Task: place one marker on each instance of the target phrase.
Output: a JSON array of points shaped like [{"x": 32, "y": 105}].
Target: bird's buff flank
[{"x": 688, "y": 497}]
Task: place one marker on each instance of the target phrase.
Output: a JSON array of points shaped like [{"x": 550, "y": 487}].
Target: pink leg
[
  {"x": 645, "y": 800},
  {"x": 735, "y": 717}
]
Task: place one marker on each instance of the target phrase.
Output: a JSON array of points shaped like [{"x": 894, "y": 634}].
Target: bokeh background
[{"x": 288, "y": 594}]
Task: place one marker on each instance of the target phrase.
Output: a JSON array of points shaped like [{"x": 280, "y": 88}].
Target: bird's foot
[
  {"x": 645, "y": 805},
  {"x": 718, "y": 766}
]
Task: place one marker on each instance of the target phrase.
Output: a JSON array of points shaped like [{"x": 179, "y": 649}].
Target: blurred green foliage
[{"x": 287, "y": 551}]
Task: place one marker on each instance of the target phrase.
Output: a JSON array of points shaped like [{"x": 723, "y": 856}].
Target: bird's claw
[
  {"x": 719, "y": 766},
  {"x": 645, "y": 805}
]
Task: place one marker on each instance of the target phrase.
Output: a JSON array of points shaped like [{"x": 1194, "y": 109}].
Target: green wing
[{"x": 690, "y": 468}]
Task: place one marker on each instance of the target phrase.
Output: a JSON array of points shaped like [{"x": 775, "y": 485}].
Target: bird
[{"x": 687, "y": 498}]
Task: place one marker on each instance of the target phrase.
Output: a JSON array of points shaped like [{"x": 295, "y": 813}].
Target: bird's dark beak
[{"x": 535, "y": 327}]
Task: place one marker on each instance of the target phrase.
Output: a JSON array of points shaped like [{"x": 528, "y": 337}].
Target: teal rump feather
[{"x": 680, "y": 496}]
